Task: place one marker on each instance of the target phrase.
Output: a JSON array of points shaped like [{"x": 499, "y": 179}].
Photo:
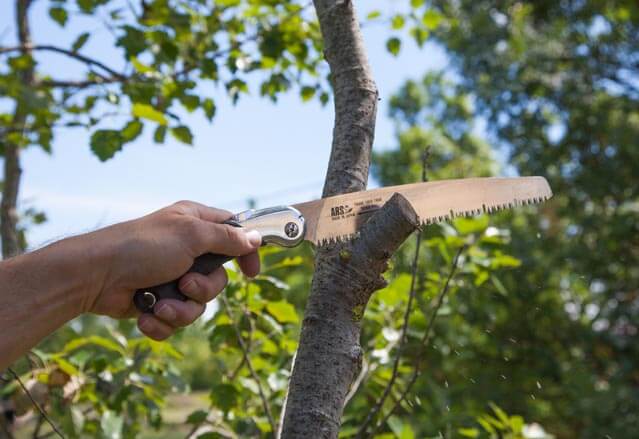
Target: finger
[
  {"x": 206, "y": 213},
  {"x": 203, "y": 288},
  {"x": 250, "y": 264},
  {"x": 227, "y": 240},
  {"x": 154, "y": 328},
  {"x": 177, "y": 313}
]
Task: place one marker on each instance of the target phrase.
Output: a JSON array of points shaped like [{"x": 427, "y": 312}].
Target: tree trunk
[
  {"x": 329, "y": 354},
  {"x": 12, "y": 170}
]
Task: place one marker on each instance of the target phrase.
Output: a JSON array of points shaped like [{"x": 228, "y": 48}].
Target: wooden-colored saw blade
[{"x": 338, "y": 218}]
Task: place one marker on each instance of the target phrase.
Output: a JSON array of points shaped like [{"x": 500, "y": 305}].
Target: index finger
[{"x": 203, "y": 212}]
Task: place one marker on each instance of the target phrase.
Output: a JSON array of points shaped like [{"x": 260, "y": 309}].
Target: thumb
[{"x": 229, "y": 240}]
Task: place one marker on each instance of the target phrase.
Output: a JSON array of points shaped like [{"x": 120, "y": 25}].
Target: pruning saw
[{"x": 338, "y": 218}]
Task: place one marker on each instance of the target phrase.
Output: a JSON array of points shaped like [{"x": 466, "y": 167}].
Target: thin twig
[
  {"x": 82, "y": 83},
  {"x": 402, "y": 342},
  {"x": 38, "y": 427},
  {"x": 67, "y": 52},
  {"x": 409, "y": 308},
  {"x": 43, "y": 413},
  {"x": 425, "y": 341},
  {"x": 249, "y": 365}
]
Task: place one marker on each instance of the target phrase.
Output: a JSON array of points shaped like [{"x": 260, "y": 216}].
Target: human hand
[{"x": 161, "y": 247}]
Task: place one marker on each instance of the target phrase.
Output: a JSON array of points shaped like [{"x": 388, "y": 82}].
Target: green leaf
[
  {"x": 160, "y": 134},
  {"x": 140, "y": 67},
  {"x": 417, "y": 3},
  {"x": 468, "y": 432},
  {"x": 466, "y": 226},
  {"x": 21, "y": 62},
  {"x": 307, "y": 93},
  {"x": 224, "y": 396},
  {"x": 59, "y": 15},
  {"x": 190, "y": 102},
  {"x": 283, "y": 311},
  {"x": 397, "y": 22},
  {"x": 501, "y": 415},
  {"x": 105, "y": 143},
  {"x": 373, "y": 15},
  {"x": 432, "y": 19},
  {"x": 499, "y": 286},
  {"x": 132, "y": 130},
  {"x": 208, "y": 105},
  {"x": 481, "y": 277},
  {"x": 92, "y": 340},
  {"x": 502, "y": 260},
  {"x": 324, "y": 98},
  {"x": 147, "y": 112},
  {"x": 393, "y": 45},
  {"x": 66, "y": 367},
  {"x": 197, "y": 417},
  {"x": 407, "y": 432},
  {"x": 80, "y": 41},
  {"x": 396, "y": 290},
  {"x": 183, "y": 134}
]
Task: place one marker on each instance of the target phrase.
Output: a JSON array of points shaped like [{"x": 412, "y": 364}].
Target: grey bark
[
  {"x": 12, "y": 170},
  {"x": 346, "y": 275}
]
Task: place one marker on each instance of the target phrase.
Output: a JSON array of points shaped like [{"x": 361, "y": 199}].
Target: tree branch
[
  {"x": 80, "y": 83},
  {"x": 28, "y": 47},
  {"x": 409, "y": 308},
  {"x": 424, "y": 342},
  {"x": 329, "y": 355},
  {"x": 35, "y": 403},
  {"x": 249, "y": 365},
  {"x": 355, "y": 97},
  {"x": 12, "y": 170}
]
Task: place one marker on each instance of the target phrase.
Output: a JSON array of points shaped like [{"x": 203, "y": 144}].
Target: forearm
[{"x": 42, "y": 290}]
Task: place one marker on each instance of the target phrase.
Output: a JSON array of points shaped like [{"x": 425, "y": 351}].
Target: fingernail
[
  {"x": 165, "y": 312},
  {"x": 254, "y": 237},
  {"x": 189, "y": 287}
]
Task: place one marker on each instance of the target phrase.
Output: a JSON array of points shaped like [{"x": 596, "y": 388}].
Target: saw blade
[{"x": 340, "y": 217}]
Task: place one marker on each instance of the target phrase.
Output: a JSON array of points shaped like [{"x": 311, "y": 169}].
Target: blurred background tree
[{"x": 536, "y": 310}]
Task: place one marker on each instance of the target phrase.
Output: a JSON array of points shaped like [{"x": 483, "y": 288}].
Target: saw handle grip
[{"x": 146, "y": 298}]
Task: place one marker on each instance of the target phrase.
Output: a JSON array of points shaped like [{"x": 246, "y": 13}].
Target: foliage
[
  {"x": 551, "y": 84},
  {"x": 499, "y": 424},
  {"x": 109, "y": 384},
  {"x": 541, "y": 314},
  {"x": 172, "y": 53}
]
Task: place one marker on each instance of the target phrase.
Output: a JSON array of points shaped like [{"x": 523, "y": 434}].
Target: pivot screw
[
  {"x": 148, "y": 300},
  {"x": 291, "y": 229}
]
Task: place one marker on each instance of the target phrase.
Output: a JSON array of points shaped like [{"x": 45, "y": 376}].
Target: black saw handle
[{"x": 146, "y": 298}]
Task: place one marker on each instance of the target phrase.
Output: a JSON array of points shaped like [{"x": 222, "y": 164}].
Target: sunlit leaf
[
  {"x": 283, "y": 311},
  {"x": 147, "y": 112}
]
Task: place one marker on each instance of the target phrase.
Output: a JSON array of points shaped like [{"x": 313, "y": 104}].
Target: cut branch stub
[{"x": 329, "y": 355}]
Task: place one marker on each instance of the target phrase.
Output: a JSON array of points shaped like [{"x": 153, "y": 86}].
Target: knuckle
[{"x": 183, "y": 205}]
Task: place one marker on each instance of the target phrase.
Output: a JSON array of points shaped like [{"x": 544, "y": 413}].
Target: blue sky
[{"x": 274, "y": 153}]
